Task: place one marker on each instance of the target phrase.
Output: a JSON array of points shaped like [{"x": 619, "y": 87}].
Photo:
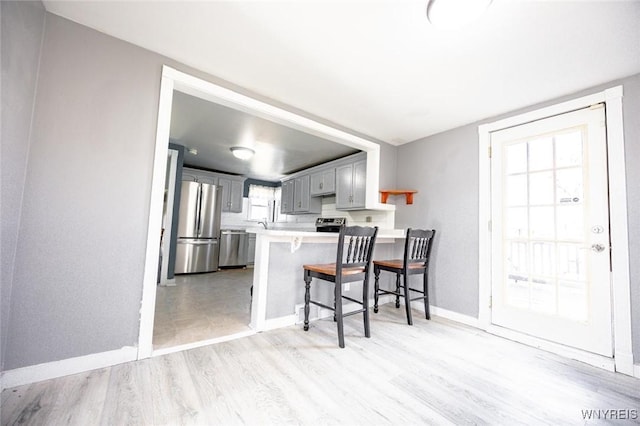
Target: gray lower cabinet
[
  {"x": 323, "y": 182},
  {"x": 231, "y": 194},
  {"x": 351, "y": 185}
]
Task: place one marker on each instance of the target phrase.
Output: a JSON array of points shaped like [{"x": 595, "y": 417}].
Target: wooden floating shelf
[{"x": 408, "y": 193}]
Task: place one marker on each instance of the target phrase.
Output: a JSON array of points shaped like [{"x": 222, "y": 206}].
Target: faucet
[{"x": 263, "y": 223}]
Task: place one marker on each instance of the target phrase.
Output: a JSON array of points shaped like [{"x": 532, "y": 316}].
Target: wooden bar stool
[
  {"x": 354, "y": 266},
  {"x": 417, "y": 250}
]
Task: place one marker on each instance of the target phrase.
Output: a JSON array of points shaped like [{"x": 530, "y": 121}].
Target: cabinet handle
[{"x": 320, "y": 185}]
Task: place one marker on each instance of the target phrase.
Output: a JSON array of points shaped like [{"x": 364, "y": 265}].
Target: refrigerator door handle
[
  {"x": 197, "y": 242},
  {"x": 198, "y": 210}
]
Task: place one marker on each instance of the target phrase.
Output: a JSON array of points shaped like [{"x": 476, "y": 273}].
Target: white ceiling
[
  {"x": 379, "y": 67},
  {"x": 212, "y": 129}
]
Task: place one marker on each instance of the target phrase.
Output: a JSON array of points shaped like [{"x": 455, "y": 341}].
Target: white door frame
[
  {"x": 173, "y": 79},
  {"x": 621, "y": 286}
]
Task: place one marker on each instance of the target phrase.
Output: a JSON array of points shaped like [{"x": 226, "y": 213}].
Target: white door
[{"x": 550, "y": 236}]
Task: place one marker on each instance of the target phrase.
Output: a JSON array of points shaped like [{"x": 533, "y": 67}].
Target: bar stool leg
[
  {"x": 376, "y": 288},
  {"x": 407, "y": 298},
  {"x": 307, "y": 298},
  {"x": 365, "y": 306},
  {"x": 338, "y": 311},
  {"x": 425, "y": 288},
  {"x": 397, "y": 290}
]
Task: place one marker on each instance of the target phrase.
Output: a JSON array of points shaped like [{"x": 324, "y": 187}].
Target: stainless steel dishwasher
[{"x": 233, "y": 248}]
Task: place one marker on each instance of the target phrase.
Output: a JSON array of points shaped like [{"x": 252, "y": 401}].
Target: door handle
[{"x": 598, "y": 247}]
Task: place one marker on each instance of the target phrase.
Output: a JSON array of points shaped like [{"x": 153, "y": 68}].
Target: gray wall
[
  {"x": 77, "y": 285},
  {"x": 444, "y": 169},
  {"x": 22, "y": 29}
]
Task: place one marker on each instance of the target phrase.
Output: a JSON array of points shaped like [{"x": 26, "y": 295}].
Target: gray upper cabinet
[
  {"x": 286, "y": 197},
  {"x": 323, "y": 182},
  {"x": 303, "y": 203},
  {"x": 296, "y": 197},
  {"x": 351, "y": 184},
  {"x": 231, "y": 194},
  {"x": 201, "y": 176},
  {"x": 232, "y": 186}
]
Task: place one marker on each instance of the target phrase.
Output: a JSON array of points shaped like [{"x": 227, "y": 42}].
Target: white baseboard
[
  {"x": 286, "y": 321},
  {"x": 636, "y": 371},
  {"x": 450, "y": 315},
  {"x": 556, "y": 348},
  {"x": 435, "y": 311},
  {"x": 624, "y": 363},
  {"x": 65, "y": 367}
]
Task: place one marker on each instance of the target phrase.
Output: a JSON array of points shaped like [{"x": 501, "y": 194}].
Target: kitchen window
[{"x": 264, "y": 203}]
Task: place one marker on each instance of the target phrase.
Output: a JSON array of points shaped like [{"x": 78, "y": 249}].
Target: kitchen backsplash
[{"x": 383, "y": 219}]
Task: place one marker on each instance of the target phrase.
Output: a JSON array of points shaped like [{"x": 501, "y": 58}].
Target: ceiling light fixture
[
  {"x": 242, "y": 152},
  {"x": 454, "y": 14},
  {"x": 192, "y": 151}
]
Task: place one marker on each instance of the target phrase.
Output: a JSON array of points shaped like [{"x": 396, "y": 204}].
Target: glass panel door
[{"x": 550, "y": 241}]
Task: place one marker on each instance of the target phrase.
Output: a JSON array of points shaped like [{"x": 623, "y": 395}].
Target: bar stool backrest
[
  {"x": 359, "y": 242},
  {"x": 417, "y": 246}
]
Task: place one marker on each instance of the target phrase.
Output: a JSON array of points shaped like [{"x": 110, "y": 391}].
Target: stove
[{"x": 330, "y": 224}]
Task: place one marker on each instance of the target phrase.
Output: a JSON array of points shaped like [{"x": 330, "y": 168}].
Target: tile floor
[{"x": 202, "y": 306}]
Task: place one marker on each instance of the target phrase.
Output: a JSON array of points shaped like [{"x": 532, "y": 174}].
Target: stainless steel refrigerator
[{"x": 198, "y": 244}]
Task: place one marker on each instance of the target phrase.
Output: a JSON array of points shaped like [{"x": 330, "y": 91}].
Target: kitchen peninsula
[{"x": 278, "y": 287}]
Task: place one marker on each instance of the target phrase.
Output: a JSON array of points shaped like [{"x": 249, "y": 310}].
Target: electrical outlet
[
  {"x": 347, "y": 286},
  {"x": 368, "y": 219}
]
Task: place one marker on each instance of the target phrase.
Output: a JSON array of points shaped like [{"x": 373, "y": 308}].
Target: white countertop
[{"x": 382, "y": 233}]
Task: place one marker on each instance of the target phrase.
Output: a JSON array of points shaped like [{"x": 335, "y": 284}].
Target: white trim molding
[
  {"x": 620, "y": 281},
  {"x": 173, "y": 79},
  {"x": 65, "y": 367},
  {"x": 200, "y": 343}
]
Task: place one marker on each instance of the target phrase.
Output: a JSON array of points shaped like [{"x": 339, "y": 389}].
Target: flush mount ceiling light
[
  {"x": 454, "y": 14},
  {"x": 241, "y": 152},
  {"x": 192, "y": 151}
]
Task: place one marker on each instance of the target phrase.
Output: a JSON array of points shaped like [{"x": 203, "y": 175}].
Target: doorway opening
[{"x": 184, "y": 83}]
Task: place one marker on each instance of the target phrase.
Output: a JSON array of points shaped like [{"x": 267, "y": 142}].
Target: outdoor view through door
[{"x": 550, "y": 236}]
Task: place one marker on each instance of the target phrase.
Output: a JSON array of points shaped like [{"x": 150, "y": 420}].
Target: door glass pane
[
  {"x": 569, "y": 149},
  {"x": 569, "y": 186},
  {"x": 517, "y": 292},
  {"x": 541, "y": 154},
  {"x": 543, "y": 296},
  {"x": 570, "y": 222},
  {"x": 541, "y": 187},
  {"x": 517, "y": 259},
  {"x": 516, "y": 223},
  {"x": 516, "y": 157},
  {"x": 543, "y": 259},
  {"x": 572, "y": 262},
  {"x": 516, "y": 191},
  {"x": 541, "y": 222}
]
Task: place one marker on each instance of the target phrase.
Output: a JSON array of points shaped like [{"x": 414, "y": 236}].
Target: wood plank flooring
[{"x": 436, "y": 372}]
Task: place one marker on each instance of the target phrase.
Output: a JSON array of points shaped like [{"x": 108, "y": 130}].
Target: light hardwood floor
[
  {"x": 436, "y": 372},
  {"x": 202, "y": 306}
]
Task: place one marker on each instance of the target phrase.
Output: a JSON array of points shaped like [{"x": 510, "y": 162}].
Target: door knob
[{"x": 597, "y": 247}]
